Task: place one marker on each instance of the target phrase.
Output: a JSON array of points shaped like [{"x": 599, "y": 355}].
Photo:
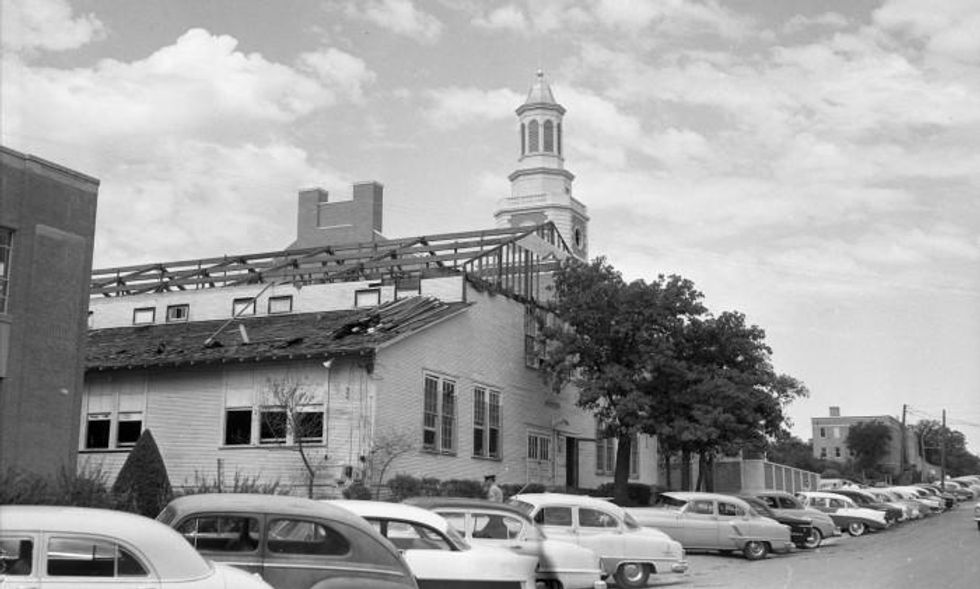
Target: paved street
[{"x": 942, "y": 551}]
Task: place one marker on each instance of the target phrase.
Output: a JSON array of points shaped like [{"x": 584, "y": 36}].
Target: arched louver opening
[
  {"x": 523, "y": 130},
  {"x": 549, "y": 137},
  {"x": 532, "y": 136},
  {"x": 559, "y": 139}
]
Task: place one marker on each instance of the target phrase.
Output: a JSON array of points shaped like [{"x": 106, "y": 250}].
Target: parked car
[
  {"x": 783, "y": 502},
  {"x": 863, "y": 498},
  {"x": 561, "y": 565},
  {"x": 801, "y": 530},
  {"x": 910, "y": 509},
  {"x": 928, "y": 503},
  {"x": 294, "y": 543},
  {"x": 845, "y": 513},
  {"x": 438, "y": 556},
  {"x": 946, "y": 500},
  {"x": 51, "y": 546},
  {"x": 711, "y": 521},
  {"x": 629, "y": 552}
]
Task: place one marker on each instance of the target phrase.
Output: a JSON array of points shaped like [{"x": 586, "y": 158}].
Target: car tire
[
  {"x": 813, "y": 540},
  {"x": 856, "y": 528},
  {"x": 632, "y": 575},
  {"x": 755, "y": 550}
]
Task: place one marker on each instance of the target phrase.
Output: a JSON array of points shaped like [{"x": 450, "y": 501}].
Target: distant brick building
[
  {"x": 830, "y": 440},
  {"x": 47, "y": 223}
]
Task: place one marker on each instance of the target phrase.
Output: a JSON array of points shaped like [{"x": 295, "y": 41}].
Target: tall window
[
  {"x": 538, "y": 447},
  {"x": 523, "y": 140},
  {"x": 549, "y": 136},
  {"x": 439, "y": 415},
  {"x": 534, "y": 343},
  {"x": 559, "y": 138},
  {"x": 486, "y": 422},
  {"x": 6, "y": 237},
  {"x": 113, "y": 418},
  {"x": 532, "y": 136}
]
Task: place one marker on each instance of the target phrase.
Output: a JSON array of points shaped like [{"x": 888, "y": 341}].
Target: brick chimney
[
  {"x": 834, "y": 411},
  {"x": 320, "y": 222}
]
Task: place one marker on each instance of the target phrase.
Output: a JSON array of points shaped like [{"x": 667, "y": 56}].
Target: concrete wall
[{"x": 51, "y": 211}]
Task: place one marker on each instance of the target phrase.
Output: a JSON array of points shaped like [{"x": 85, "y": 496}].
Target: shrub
[
  {"x": 637, "y": 494},
  {"x": 357, "y": 491},
  {"x": 142, "y": 485},
  {"x": 403, "y": 486},
  {"x": 18, "y": 487},
  {"x": 461, "y": 488},
  {"x": 240, "y": 483}
]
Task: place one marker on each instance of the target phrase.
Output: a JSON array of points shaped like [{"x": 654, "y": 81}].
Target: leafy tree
[
  {"x": 869, "y": 441},
  {"x": 959, "y": 460},
  {"x": 615, "y": 341},
  {"x": 792, "y": 451},
  {"x": 730, "y": 398},
  {"x": 142, "y": 485}
]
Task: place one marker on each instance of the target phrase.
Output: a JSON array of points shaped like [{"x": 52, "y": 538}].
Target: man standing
[{"x": 493, "y": 492}]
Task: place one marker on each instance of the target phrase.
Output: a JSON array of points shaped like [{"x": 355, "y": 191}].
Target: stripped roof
[
  {"x": 275, "y": 337},
  {"x": 510, "y": 259}
]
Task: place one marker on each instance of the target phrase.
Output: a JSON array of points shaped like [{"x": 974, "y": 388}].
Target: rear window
[
  {"x": 91, "y": 557},
  {"x": 295, "y": 536},
  {"x": 221, "y": 533}
]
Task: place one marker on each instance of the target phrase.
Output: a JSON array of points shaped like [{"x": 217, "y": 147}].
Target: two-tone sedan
[
  {"x": 801, "y": 530},
  {"x": 292, "y": 542},
  {"x": 715, "y": 522},
  {"x": 629, "y": 552},
  {"x": 85, "y": 548},
  {"x": 781, "y": 502},
  {"x": 438, "y": 556},
  {"x": 561, "y": 565},
  {"x": 856, "y": 520}
]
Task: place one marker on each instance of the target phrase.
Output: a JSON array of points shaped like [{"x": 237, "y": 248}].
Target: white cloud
[
  {"x": 950, "y": 28},
  {"x": 507, "y": 17},
  {"x": 453, "y": 107},
  {"x": 827, "y": 20},
  {"x": 46, "y": 25},
  {"x": 340, "y": 70},
  {"x": 399, "y": 16},
  {"x": 673, "y": 17}
]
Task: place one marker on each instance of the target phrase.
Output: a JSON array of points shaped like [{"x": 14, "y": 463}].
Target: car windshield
[{"x": 669, "y": 502}]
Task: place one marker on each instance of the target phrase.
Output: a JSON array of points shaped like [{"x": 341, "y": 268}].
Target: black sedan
[{"x": 801, "y": 530}]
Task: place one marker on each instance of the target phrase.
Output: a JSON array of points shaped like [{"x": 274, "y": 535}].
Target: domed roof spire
[{"x": 540, "y": 95}]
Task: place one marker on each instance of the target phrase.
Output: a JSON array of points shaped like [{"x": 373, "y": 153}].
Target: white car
[
  {"x": 629, "y": 552},
  {"x": 84, "y": 548},
  {"x": 845, "y": 513},
  {"x": 437, "y": 555},
  {"x": 561, "y": 565}
]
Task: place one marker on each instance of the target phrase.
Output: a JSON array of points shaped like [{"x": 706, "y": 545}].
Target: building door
[{"x": 571, "y": 461}]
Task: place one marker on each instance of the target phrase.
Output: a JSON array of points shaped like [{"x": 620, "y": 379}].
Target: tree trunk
[
  {"x": 685, "y": 470},
  {"x": 699, "y": 486},
  {"x": 709, "y": 473},
  {"x": 667, "y": 465},
  {"x": 310, "y": 472},
  {"x": 622, "y": 476}
]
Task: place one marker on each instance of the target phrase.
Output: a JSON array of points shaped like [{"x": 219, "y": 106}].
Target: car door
[
  {"x": 431, "y": 556},
  {"x": 79, "y": 561},
  {"x": 230, "y": 538},
  {"x": 556, "y": 521},
  {"x": 300, "y": 551},
  {"x": 599, "y": 531},
  {"x": 698, "y": 524},
  {"x": 503, "y": 530}
]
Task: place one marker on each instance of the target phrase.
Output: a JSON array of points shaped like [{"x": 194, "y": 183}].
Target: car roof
[
  {"x": 770, "y": 493},
  {"x": 824, "y": 494},
  {"x": 466, "y": 503},
  {"x": 171, "y": 556},
  {"x": 386, "y": 510},
  {"x": 695, "y": 495},
  {"x": 539, "y": 499},
  {"x": 260, "y": 503}
]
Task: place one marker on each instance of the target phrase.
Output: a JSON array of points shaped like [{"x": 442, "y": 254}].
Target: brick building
[
  {"x": 830, "y": 440},
  {"x": 47, "y": 223}
]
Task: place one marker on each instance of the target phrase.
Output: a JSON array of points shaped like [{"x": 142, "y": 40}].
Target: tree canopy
[
  {"x": 959, "y": 460},
  {"x": 647, "y": 357},
  {"x": 869, "y": 441}
]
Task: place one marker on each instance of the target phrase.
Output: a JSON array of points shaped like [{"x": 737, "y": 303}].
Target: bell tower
[{"x": 541, "y": 187}]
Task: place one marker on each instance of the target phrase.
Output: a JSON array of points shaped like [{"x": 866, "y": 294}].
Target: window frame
[
  {"x": 185, "y": 307},
  {"x": 243, "y": 306},
  {"x": 143, "y": 311},
  {"x": 437, "y": 400},
  {"x": 367, "y": 298},
  {"x": 487, "y": 422},
  {"x": 6, "y": 255},
  {"x": 279, "y": 299},
  {"x": 538, "y": 446}
]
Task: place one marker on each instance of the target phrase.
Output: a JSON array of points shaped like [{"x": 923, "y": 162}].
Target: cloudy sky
[{"x": 813, "y": 164}]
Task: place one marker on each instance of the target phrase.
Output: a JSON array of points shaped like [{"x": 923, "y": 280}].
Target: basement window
[
  {"x": 144, "y": 315},
  {"x": 177, "y": 313},
  {"x": 283, "y": 304},
  {"x": 245, "y": 306},
  {"x": 367, "y": 298}
]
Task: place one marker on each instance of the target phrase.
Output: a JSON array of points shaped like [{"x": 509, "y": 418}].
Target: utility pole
[
  {"x": 942, "y": 454},
  {"x": 903, "y": 459}
]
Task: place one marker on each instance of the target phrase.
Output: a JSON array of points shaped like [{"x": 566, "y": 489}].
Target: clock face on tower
[{"x": 579, "y": 243}]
